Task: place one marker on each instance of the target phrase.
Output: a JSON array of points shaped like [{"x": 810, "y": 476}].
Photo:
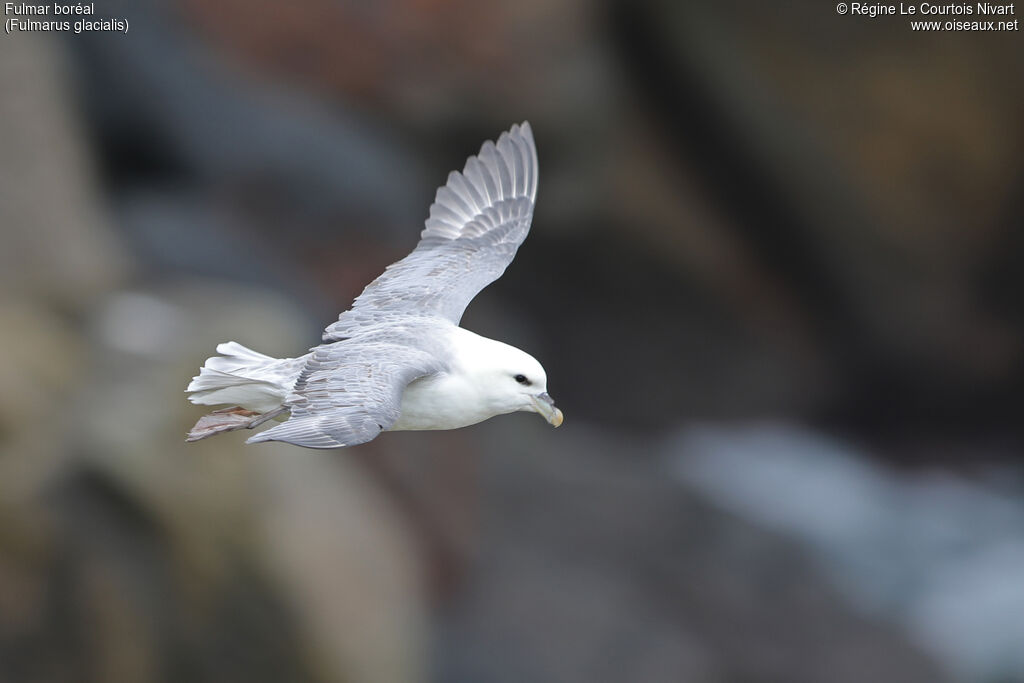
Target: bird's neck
[
  {"x": 474, "y": 355},
  {"x": 460, "y": 397}
]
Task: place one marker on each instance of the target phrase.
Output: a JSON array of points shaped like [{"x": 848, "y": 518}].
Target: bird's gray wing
[
  {"x": 349, "y": 392},
  {"x": 476, "y": 224}
]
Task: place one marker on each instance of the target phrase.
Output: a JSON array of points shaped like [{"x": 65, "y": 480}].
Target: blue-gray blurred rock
[{"x": 938, "y": 553}]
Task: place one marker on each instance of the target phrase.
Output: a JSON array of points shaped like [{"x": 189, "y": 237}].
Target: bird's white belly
[{"x": 440, "y": 403}]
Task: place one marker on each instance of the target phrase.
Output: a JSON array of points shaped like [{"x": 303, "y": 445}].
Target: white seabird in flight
[{"x": 398, "y": 360}]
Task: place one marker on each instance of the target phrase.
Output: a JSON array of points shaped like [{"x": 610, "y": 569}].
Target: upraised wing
[
  {"x": 348, "y": 393},
  {"x": 476, "y": 224}
]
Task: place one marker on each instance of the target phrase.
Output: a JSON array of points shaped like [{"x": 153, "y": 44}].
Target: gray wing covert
[
  {"x": 476, "y": 224},
  {"x": 349, "y": 392}
]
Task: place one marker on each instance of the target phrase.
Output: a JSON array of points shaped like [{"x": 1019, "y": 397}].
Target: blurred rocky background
[{"x": 774, "y": 277}]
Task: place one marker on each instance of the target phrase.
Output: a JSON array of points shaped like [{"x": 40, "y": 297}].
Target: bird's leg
[
  {"x": 228, "y": 420},
  {"x": 260, "y": 418}
]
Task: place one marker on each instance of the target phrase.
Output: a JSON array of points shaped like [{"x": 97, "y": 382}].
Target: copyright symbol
[{"x": 841, "y": 8}]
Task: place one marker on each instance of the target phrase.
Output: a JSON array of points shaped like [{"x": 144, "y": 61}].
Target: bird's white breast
[
  {"x": 459, "y": 397},
  {"x": 443, "y": 402}
]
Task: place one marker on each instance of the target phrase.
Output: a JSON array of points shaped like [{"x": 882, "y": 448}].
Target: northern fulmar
[{"x": 397, "y": 359}]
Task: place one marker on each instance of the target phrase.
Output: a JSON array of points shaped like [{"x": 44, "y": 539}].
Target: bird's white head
[{"x": 509, "y": 380}]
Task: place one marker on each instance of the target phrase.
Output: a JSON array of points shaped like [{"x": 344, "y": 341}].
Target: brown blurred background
[{"x": 774, "y": 276}]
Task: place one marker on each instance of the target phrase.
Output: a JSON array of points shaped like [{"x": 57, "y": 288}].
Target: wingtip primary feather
[
  {"x": 311, "y": 441},
  {"x": 502, "y": 169}
]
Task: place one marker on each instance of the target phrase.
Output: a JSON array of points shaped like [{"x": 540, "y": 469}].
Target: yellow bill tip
[{"x": 557, "y": 418}]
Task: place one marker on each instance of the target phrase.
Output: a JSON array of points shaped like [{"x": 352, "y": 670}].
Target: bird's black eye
[{"x": 522, "y": 380}]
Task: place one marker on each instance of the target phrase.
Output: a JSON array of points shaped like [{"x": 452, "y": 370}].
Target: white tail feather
[{"x": 243, "y": 377}]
